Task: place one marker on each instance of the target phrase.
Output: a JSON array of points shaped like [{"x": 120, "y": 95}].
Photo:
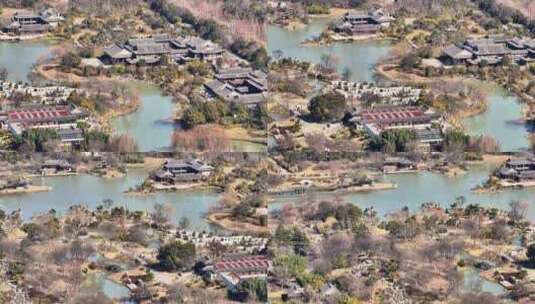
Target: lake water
[
  {"x": 19, "y": 57},
  {"x": 474, "y": 282},
  {"x": 359, "y": 57},
  {"x": 501, "y": 121},
  {"x": 150, "y": 125},
  {"x": 418, "y": 188},
  {"x": 97, "y": 282},
  {"x": 91, "y": 191}
]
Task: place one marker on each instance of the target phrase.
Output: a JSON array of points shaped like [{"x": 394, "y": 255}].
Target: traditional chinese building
[
  {"x": 360, "y": 22},
  {"x": 242, "y": 85},
  {"x": 160, "y": 48}
]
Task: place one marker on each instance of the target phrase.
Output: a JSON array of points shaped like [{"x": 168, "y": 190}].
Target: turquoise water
[
  {"x": 416, "y": 189},
  {"x": 91, "y": 191},
  {"x": 18, "y": 58},
  {"x": 151, "y": 125},
  {"x": 501, "y": 121},
  {"x": 359, "y": 57},
  {"x": 475, "y": 283}
]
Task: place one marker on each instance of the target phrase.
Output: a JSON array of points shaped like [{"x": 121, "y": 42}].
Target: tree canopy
[
  {"x": 176, "y": 255},
  {"x": 327, "y": 107}
]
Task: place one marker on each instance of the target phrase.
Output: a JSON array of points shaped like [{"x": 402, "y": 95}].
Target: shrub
[{"x": 176, "y": 255}]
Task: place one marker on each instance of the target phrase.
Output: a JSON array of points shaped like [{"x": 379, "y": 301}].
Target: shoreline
[
  {"x": 221, "y": 219},
  {"x": 174, "y": 188},
  {"x": 344, "y": 189},
  {"x": 27, "y": 189},
  {"x": 344, "y": 39},
  {"x": 10, "y": 38},
  {"x": 53, "y": 174}
]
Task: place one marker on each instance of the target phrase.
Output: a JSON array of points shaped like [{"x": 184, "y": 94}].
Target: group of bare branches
[
  {"x": 203, "y": 138},
  {"x": 248, "y": 29}
]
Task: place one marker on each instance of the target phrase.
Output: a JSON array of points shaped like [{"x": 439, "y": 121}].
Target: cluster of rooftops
[
  {"x": 361, "y": 22},
  {"x": 151, "y": 50},
  {"x": 235, "y": 268},
  {"x": 62, "y": 118},
  {"x": 378, "y": 119},
  {"x": 238, "y": 84},
  {"x": 34, "y": 23},
  {"x": 397, "y": 95},
  {"x": 520, "y": 169},
  {"x": 490, "y": 50},
  {"x": 174, "y": 171},
  {"x": 46, "y": 94},
  {"x": 242, "y": 85}
]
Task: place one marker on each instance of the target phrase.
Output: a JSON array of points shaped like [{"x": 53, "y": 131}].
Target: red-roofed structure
[
  {"x": 243, "y": 263},
  {"x": 396, "y": 116},
  {"x": 61, "y": 116},
  {"x": 233, "y": 269}
]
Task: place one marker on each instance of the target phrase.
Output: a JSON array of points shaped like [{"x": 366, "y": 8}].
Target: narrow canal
[{"x": 151, "y": 125}]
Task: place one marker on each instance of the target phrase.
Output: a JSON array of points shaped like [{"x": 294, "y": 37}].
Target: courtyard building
[
  {"x": 361, "y": 22},
  {"x": 51, "y": 117},
  {"x": 241, "y": 85},
  {"x": 175, "y": 171},
  {"x": 158, "y": 49},
  {"x": 490, "y": 50},
  {"x": 32, "y": 23}
]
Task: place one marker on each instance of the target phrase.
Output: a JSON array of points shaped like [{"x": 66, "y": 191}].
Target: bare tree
[
  {"x": 123, "y": 144},
  {"x": 184, "y": 222},
  {"x": 328, "y": 63},
  {"x": 518, "y": 210},
  {"x": 178, "y": 293},
  {"x": 3, "y": 74},
  {"x": 162, "y": 214}
]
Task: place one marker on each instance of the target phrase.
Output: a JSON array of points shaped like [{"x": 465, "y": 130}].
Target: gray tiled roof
[
  {"x": 456, "y": 52},
  {"x": 117, "y": 52}
]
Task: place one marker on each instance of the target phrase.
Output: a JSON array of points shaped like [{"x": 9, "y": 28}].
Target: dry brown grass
[
  {"x": 526, "y": 7},
  {"x": 204, "y": 138},
  {"x": 209, "y": 9}
]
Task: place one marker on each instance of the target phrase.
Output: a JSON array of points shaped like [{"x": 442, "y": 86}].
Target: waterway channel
[
  {"x": 358, "y": 57},
  {"x": 501, "y": 120},
  {"x": 415, "y": 189},
  {"x": 19, "y": 57},
  {"x": 151, "y": 125},
  {"x": 91, "y": 190}
]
